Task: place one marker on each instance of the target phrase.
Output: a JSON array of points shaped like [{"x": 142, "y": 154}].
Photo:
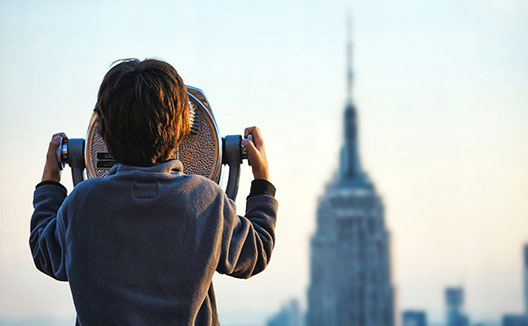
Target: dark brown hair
[{"x": 143, "y": 111}]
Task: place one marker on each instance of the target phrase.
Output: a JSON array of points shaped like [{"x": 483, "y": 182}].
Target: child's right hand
[{"x": 256, "y": 153}]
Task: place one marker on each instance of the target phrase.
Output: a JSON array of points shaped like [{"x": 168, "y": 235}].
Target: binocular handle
[
  {"x": 72, "y": 153},
  {"x": 233, "y": 154}
]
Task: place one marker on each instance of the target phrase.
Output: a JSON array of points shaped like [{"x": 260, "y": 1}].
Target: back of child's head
[{"x": 143, "y": 111}]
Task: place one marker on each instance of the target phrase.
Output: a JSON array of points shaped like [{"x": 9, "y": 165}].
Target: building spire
[
  {"x": 350, "y": 169},
  {"x": 350, "y": 74}
]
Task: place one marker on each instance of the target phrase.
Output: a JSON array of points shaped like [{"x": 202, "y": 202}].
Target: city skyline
[
  {"x": 290, "y": 314},
  {"x": 442, "y": 92},
  {"x": 335, "y": 249}
]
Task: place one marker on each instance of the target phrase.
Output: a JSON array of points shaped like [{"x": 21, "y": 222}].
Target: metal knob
[
  {"x": 62, "y": 154},
  {"x": 243, "y": 150},
  {"x": 72, "y": 153}
]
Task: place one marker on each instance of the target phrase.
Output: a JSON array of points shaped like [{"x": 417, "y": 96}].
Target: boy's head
[{"x": 143, "y": 111}]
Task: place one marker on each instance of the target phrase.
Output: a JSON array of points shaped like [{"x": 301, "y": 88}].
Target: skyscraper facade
[
  {"x": 350, "y": 279},
  {"x": 514, "y": 320}
]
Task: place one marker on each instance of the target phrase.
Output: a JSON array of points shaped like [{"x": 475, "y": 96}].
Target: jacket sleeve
[
  {"x": 47, "y": 238},
  {"x": 247, "y": 241}
]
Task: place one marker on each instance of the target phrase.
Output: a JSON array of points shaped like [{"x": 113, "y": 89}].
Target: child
[{"x": 140, "y": 247}]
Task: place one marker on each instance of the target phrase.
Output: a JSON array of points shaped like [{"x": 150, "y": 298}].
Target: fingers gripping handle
[{"x": 72, "y": 153}]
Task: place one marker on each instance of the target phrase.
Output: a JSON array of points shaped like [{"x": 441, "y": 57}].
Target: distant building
[
  {"x": 414, "y": 318},
  {"x": 455, "y": 305},
  {"x": 289, "y": 315},
  {"x": 520, "y": 319},
  {"x": 350, "y": 274},
  {"x": 526, "y": 280},
  {"x": 514, "y": 320}
]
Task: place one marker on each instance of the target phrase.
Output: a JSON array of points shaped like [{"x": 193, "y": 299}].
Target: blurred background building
[
  {"x": 414, "y": 318},
  {"x": 514, "y": 320},
  {"x": 525, "y": 251},
  {"x": 288, "y": 315},
  {"x": 350, "y": 274},
  {"x": 520, "y": 319},
  {"x": 454, "y": 297}
]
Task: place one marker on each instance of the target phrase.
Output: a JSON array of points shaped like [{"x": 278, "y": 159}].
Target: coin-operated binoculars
[{"x": 201, "y": 152}]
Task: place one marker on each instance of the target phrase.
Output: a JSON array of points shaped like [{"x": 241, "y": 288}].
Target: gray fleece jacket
[{"x": 140, "y": 247}]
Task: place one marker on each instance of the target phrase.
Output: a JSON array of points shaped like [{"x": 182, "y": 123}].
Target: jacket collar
[{"x": 168, "y": 167}]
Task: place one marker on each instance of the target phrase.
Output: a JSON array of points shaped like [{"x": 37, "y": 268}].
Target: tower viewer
[{"x": 140, "y": 247}]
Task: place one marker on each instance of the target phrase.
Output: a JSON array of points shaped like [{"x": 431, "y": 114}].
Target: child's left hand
[{"x": 51, "y": 169}]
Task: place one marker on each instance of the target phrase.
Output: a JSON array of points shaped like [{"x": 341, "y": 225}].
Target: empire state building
[{"x": 350, "y": 274}]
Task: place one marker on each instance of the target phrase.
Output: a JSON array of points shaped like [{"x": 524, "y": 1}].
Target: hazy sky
[{"x": 442, "y": 93}]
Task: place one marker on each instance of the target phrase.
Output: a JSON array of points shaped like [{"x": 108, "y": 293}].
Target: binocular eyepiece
[{"x": 201, "y": 152}]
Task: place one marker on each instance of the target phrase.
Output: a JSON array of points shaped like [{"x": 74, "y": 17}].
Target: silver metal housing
[{"x": 200, "y": 152}]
